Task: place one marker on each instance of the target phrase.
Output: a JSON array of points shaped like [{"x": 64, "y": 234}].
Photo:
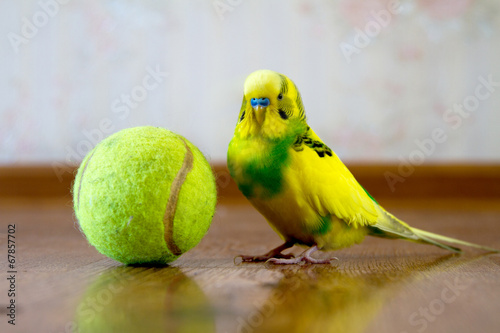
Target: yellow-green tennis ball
[{"x": 144, "y": 195}]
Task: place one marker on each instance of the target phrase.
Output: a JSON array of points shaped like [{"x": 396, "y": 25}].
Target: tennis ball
[{"x": 144, "y": 195}]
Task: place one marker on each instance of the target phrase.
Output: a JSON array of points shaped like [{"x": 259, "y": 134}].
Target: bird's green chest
[{"x": 257, "y": 166}]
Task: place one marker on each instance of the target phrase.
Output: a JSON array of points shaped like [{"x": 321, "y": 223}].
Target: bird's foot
[
  {"x": 274, "y": 253},
  {"x": 265, "y": 257},
  {"x": 304, "y": 257}
]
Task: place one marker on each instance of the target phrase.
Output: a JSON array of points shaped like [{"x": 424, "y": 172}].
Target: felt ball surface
[{"x": 144, "y": 195}]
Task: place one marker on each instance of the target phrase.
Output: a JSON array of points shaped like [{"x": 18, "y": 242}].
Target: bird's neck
[{"x": 256, "y": 162}]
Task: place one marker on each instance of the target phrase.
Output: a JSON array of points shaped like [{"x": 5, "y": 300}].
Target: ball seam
[
  {"x": 81, "y": 179},
  {"x": 175, "y": 188}
]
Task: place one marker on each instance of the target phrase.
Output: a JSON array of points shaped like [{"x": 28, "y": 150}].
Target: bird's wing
[{"x": 329, "y": 187}]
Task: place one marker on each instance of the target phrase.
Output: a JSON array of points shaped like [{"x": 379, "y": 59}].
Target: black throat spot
[{"x": 283, "y": 114}]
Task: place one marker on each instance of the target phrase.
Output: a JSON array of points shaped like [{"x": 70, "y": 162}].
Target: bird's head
[{"x": 271, "y": 107}]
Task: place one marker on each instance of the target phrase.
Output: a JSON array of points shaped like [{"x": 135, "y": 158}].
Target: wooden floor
[{"x": 64, "y": 285}]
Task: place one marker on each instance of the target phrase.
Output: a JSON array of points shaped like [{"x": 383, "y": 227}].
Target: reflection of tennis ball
[
  {"x": 143, "y": 299},
  {"x": 144, "y": 195}
]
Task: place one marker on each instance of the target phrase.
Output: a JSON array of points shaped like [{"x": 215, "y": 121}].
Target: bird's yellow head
[{"x": 271, "y": 104}]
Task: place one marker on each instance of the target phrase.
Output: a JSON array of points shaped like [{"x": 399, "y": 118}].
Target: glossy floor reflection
[
  {"x": 137, "y": 299},
  {"x": 323, "y": 299},
  {"x": 380, "y": 286}
]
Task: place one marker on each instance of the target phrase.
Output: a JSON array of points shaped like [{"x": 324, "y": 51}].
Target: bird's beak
[
  {"x": 259, "y": 106},
  {"x": 260, "y": 113}
]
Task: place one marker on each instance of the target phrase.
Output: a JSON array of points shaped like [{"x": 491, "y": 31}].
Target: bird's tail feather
[
  {"x": 390, "y": 226},
  {"x": 427, "y": 234}
]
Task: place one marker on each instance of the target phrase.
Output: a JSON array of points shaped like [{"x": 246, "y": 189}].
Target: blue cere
[{"x": 264, "y": 102}]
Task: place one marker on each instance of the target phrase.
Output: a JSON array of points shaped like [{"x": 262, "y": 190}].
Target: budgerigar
[{"x": 298, "y": 184}]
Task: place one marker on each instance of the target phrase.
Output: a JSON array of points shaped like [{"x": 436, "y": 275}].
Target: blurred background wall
[{"x": 381, "y": 80}]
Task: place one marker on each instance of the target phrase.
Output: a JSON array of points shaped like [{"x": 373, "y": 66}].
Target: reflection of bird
[
  {"x": 300, "y": 186},
  {"x": 354, "y": 296}
]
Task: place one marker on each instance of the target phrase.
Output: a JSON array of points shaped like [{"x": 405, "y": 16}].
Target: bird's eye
[{"x": 280, "y": 97}]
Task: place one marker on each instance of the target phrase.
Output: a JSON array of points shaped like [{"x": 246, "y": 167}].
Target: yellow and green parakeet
[{"x": 298, "y": 184}]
